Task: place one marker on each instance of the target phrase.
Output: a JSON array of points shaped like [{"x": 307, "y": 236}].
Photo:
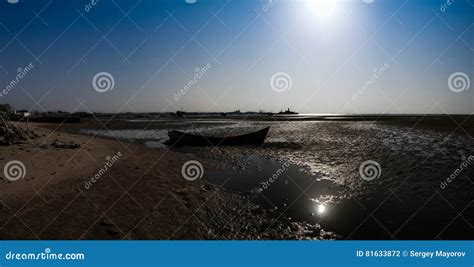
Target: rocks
[{"x": 9, "y": 134}]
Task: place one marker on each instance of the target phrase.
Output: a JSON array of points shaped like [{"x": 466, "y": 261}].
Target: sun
[{"x": 323, "y": 10}]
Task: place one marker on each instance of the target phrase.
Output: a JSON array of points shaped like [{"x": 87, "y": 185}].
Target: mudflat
[{"x": 304, "y": 182}]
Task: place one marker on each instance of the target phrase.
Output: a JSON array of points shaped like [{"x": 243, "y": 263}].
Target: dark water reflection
[
  {"x": 294, "y": 195},
  {"x": 298, "y": 196}
]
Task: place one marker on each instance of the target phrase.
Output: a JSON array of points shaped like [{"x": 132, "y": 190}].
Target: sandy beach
[{"x": 142, "y": 196}]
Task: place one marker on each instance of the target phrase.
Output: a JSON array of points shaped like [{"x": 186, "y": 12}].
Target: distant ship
[{"x": 288, "y": 112}]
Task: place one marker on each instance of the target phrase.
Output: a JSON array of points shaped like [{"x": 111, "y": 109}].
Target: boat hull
[{"x": 185, "y": 139}]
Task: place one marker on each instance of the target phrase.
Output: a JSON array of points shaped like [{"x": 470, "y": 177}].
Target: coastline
[
  {"x": 142, "y": 196},
  {"x": 303, "y": 183}
]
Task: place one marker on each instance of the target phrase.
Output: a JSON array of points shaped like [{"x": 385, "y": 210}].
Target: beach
[
  {"x": 304, "y": 182},
  {"x": 142, "y": 196}
]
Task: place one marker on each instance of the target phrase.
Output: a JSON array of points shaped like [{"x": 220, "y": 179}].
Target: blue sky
[{"x": 388, "y": 56}]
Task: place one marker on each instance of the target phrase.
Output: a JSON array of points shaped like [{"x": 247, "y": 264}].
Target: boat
[
  {"x": 186, "y": 139},
  {"x": 287, "y": 112}
]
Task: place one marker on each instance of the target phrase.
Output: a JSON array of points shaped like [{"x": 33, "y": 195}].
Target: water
[
  {"x": 293, "y": 195},
  {"x": 129, "y": 134}
]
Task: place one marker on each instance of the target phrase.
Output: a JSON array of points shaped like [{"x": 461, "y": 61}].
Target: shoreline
[
  {"x": 149, "y": 198},
  {"x": 142, "y": 196}
]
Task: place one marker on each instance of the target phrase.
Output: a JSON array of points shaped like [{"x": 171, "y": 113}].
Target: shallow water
[
  {"x": 292, "y": 194},
  {"x": 161, "y": 135},
  {"x": 129, "y": 134}
]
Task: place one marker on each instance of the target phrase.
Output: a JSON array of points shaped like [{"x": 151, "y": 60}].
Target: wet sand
[
  {"x": 318, "y": 195},
  {"x": 407, "y": 201}
]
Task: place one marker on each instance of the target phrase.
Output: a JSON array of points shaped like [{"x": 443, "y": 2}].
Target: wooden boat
[{"x": 187, "y": 139}]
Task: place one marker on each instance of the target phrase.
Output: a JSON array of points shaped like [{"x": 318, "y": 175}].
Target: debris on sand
[
  {"x": 69, "y": 145},
  {"x": 10, "y": 134}
]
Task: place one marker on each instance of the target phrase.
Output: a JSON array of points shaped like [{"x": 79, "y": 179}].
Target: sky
[{"x": 313, "y": 56}]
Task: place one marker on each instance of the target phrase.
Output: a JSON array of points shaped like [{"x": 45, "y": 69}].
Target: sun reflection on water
[
  {"x": 321, "y": 209},
  {"x": 323, "y": 203}
]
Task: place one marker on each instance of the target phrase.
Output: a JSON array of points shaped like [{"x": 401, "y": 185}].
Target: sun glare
[
  {"x": 323, "y": 10},
  {"x": 321, "y": 208}
]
